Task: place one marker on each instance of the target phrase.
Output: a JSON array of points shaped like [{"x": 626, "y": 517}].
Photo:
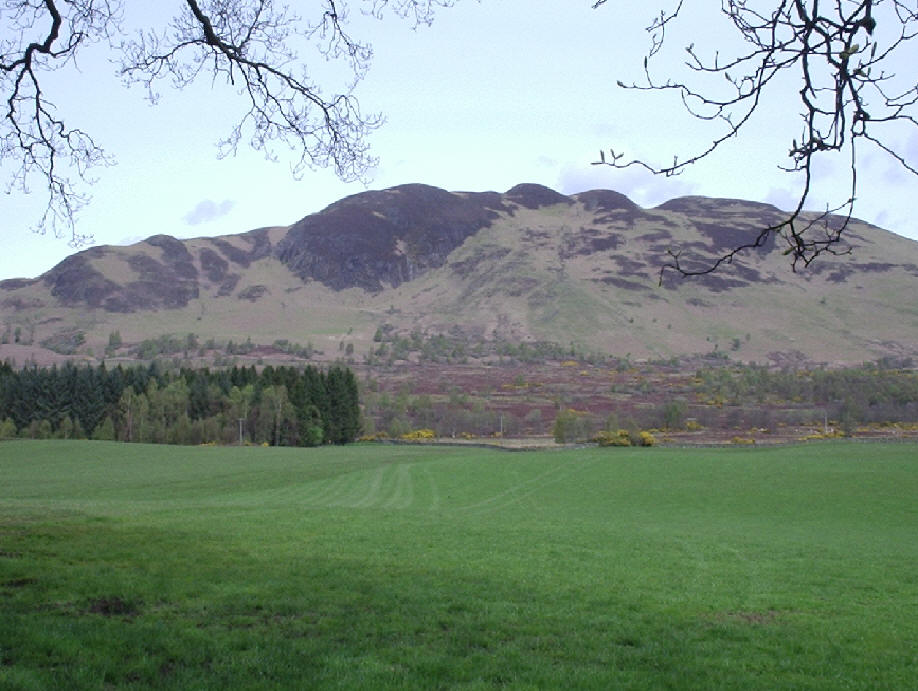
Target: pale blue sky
[{"x": 492, "y": 94}]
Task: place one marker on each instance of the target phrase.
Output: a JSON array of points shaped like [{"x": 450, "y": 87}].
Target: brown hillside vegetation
[{"x": 529, "y": 265}]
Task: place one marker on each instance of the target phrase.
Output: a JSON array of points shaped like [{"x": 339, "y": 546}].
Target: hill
[{"x": 526, "y": 266}]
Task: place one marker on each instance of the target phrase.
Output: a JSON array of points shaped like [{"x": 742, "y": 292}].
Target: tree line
[
  {"x": 884, "y": 391},
  {"x": 278, "y": 406}
]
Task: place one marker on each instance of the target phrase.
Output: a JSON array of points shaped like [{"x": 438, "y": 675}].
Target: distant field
[{"x": 416, "y": 567}]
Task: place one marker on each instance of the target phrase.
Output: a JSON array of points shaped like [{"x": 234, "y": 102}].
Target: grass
[{"x": 134, "y": 566}]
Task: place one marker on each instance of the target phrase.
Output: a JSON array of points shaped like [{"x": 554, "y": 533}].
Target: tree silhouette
[{"x": 847, "y": 95}]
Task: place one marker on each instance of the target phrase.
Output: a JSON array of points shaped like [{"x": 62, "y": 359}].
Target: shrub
[
  {"x": 376, "y": 436},
  {"x": 313, "y": 436},
  {"x": 625, "y": 437},
  {"x": 105, "y": 431},
  {"x": 674, "y": 414},
  {"x": 570, "y": 426},
  {"x": 647, "y": 439},
  {"x": 65, "y": 342},
  {"x": 7, "y": 429},
  {"x": 419, "y": 434},
  {"x": 608, "y": 438}
]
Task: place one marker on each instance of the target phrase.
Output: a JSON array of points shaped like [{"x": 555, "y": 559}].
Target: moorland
[
  {"x": 526, "y": 266},
  {"x": 491, "y": 314}
]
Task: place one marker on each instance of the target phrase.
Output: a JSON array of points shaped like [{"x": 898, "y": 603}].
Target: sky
[{"x": 492, "y": 94}]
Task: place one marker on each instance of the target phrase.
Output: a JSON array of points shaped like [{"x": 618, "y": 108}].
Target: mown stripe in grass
[{"x": 789, "y": 568}]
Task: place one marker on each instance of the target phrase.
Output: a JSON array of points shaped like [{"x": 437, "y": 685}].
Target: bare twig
[
  {"x": 840, "y": 56},
  {"x": 251, "y": 46},
  {"x": 33, "y": 135}
]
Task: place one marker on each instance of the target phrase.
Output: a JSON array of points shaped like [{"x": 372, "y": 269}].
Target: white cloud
[
  {"x": 782, "y": 198},
  {"x": 639, "y": 185},
  {"x": 129, "y": 240},
  {"x": 207, "y": 211}
]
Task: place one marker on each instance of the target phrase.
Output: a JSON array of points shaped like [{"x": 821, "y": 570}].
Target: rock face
[{"x": 382, "y": 239}]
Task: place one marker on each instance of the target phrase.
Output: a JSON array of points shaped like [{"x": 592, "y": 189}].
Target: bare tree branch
[
  {"x": 33, "y": 135},
  {"x": 840, "y": 52},
  {"x": 250, "y": 46},
  {"x": 251, "y": 49}
]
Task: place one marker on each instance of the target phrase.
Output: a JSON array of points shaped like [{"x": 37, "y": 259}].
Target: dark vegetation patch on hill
[
  {"x": 253, "y": 293},
  {"x": 18, "y": 303},
  {"x": 378, "y": 239},
  {"x": 214, "y": 266},
  {"x": 75, "y": 281},
  {"x": 622, "y": 283},
  {"x": 714, "y": 282},
  {"x": 17, "y": 283},
  {"x": 589, "y": 241},
  {"x": 534, "y": 196},
  {"x": 700, "y": 205},
  {"x": 583, "y": 265},
  {"x": 841, "y": 272},
  {"x": 216, "y": 269},
  {"x": 175, "y": 255},
  {"x": 480, "y": 255},
  {"x": 727, "y": 223},
  {"x": 259, "y": 247},
  {"x": 169, "y": 282},
  {"x": 605, "y": 200},
  {"x": 725, "y": 234}
]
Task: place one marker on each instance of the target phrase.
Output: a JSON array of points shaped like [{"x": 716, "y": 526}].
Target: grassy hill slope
[{"x": 528, "y": 265}]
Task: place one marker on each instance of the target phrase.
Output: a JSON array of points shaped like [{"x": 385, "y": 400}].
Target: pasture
[{"x": 134, "y": 566}]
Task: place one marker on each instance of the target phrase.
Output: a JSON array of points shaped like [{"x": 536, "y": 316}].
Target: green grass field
[{"x": 129, "y": 566}]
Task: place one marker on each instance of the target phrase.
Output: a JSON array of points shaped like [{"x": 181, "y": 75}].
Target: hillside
[{"x": 528, "y": 265}]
